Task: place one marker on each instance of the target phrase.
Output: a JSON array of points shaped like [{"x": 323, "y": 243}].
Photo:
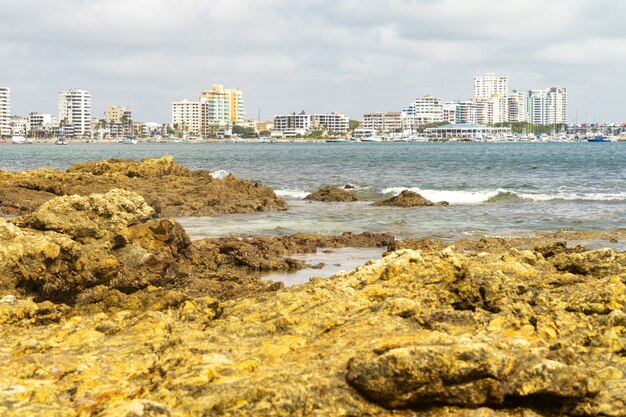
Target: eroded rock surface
[
  {"x": 172, "y": 190},
  {"x": 408, "y": 198},
  {"x": 502, "y": 333},
  {"x": 331, "y": 193}
]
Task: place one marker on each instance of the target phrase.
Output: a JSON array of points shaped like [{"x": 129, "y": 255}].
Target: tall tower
[
  {"x": 5, "y": 111},
  {"x": 75, "y": 113}
]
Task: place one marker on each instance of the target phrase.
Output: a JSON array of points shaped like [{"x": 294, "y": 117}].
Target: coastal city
[{"x": 494, "y": 113}]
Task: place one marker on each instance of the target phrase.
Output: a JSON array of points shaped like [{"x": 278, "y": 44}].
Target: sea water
[{"x": 493, "y": 188}]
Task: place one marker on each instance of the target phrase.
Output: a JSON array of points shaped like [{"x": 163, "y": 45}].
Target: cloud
[{"x": 321, "y": 55}]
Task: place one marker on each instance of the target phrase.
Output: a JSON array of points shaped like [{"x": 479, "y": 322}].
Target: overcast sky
[{"x": 351, "y": 56}]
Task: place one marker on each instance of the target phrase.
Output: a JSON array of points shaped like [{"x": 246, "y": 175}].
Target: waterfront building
[
  {"x": 264, "y": 126},
  {"x": 75, "y": 113},
  {"x": 331, "y": 122},
  {"x": 449, "y": 111},
  {"x": 465, "y": 132},
  {"x": 383, "y": 121},
  {"x": 18, "y": 125},
  {"x": 186, "y": 116},
  {"x": 517, "y": 106},
  {"x": 466, "y": 112},
  {"x": 491, "y": 110},
  {"x": 221, "y": 107},
  {"x": 287, "y": 122},
  {"x": 117, "y": 114},
  {"x": 423, "y": 111},
  {"x": 5, "y": 111},
  {"x": 547, "y": 106},
  {"x": 490, "y": 84}
]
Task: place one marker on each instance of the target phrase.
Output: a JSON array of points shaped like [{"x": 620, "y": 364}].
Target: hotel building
[
  {"x": 5, "y": 111},
  {"x": 332, "y": 122},
  {"x": 75, "y": 113}
]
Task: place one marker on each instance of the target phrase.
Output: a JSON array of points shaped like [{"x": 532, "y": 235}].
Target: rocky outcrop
[
  {"x": 172, "y": 190},
  {"x": 437, "y": 333},
  {"x": 85, "y": 250},
  {"x": 408, "y": 198},
  {"x": 331, "y": 193}
]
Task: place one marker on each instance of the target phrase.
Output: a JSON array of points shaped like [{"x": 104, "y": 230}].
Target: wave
[
  {"x": 219, "y": 174},
  {"x": 292, "y": 193},
  {"x": 457, "y": 197},
  {"x": 452, "y": 197}
]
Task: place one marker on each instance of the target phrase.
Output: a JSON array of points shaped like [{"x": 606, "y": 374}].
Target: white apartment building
[
  {"x": 423, "y": 111},
  {"x": 186, "y": 116},
  {"x": 383, "y": 121},
  {"x": 548, "y": 106},
  {"x": 38, "y": 120},
  {"x": 489, "y": 84},
  {"x": 491, "y": 110},
  {"x": 466, "y": 112},
  {"x": 5, "y": 111},
  {"x": 449, "y": 112},
  {"x": 75, "y": 113},
  {"x": 292, "y": 121},
  {"x": 19, "y": 125},
  {"x": 332, "y": 122},
  {"x": 558, "y": 97},
  {"x": 517, "y": 106}
]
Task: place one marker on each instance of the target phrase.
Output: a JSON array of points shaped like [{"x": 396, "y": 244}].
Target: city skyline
[{"x": 347, "y": 56}]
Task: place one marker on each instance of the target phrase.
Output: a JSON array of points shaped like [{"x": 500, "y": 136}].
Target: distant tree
[{"x": 354, "y": 124}]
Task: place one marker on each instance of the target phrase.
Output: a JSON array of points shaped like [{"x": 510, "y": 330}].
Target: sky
[{"x": 349, "y": 56}]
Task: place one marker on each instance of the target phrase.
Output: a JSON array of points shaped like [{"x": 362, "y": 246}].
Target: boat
[
  {"x": 130, "y": 140},
  {"x": 371, "y": 139},
  {"x": 60, "y": 142},
  {"x": 335, "y": 140},
  {"x": 20, "y": 140},
  {"x": 598, "y": 138}
]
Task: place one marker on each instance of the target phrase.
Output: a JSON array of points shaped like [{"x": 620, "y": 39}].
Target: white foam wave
[
  {"x": 456, "y": 197},
  {"x": 574, "y": 196},
  {"x": 219, "y": 174},
  {"x": 452, "y": 197},
  {"x": 292, "y": 193}
]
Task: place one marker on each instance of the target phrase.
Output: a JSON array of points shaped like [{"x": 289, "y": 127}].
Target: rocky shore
[
  {"x": 109, "y": 309},
  {"x": 171, "y": 189}
]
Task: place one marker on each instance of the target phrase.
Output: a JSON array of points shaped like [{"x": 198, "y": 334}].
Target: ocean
[{"x": 497, "y": 189}]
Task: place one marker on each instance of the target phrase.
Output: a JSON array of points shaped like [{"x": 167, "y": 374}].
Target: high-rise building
[
  {"x": 548, "y": 106},
  {"x": 517, "y": 106},
  {"x": 221, "y": 107},
  {"x": 489, "y": 84},
  {"x": 75, "y": 113},
  {"x": 558, "y": 96},
  {"x": 5, "y": 111},
  {"x": 186, "y": 116},
  {"x": 466, "y": 112}
]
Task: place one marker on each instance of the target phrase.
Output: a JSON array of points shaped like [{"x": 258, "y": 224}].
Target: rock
[
  {"x": 171, "y": 189},
  {"x": 331, "y": 193},
  {"x": 445, "y": 370},
  {"x": 72, "y": 243},
  {"x": 495, "y": 331},
  {"x": 408, "y": 198}
]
